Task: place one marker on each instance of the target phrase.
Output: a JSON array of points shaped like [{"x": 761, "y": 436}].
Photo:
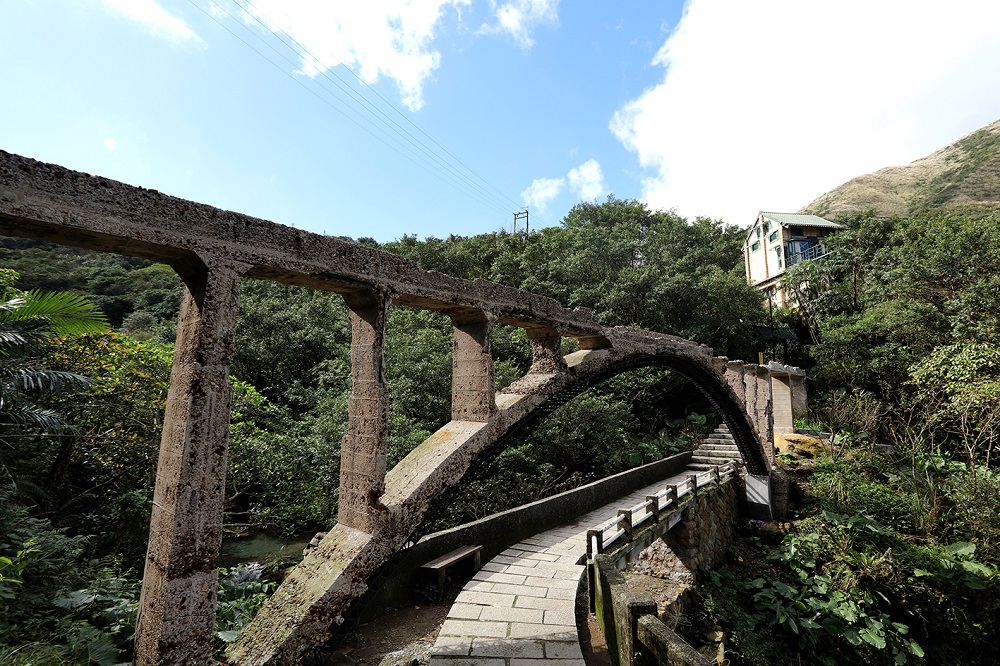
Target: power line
[
  {"x": 327, "y": 72},
  {"x": 396, "y": 138}
]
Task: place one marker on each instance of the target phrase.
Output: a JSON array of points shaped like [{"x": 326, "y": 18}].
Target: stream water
[{"x": 264, "y": 548}]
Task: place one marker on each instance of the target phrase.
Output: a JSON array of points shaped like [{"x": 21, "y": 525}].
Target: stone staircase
[{"x": 719, "y": 447}]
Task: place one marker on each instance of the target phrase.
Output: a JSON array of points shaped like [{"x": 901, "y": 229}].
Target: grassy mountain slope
[{"x": 964, "y": 177}]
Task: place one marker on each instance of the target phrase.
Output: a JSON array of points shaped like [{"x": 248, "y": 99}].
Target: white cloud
[
  {"x": 155, "y": 18},
  {"x": 767, "y": 105},
  {"x": 542, "y": 191},
  {"x": 587, "y": 180},
  {"x": 390, "y": 38},
  {"x": 110, "y": 143},
  {"x": 519, "y": 17}
]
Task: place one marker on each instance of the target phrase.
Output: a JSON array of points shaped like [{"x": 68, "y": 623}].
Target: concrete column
[
  {"x": 765, "y": 412},
  {"x": 546, "y": 352},
  {"x": 176, "y": 623},
  {"x": 750, "y": 396},
  {"x": 800, "y": 399},
  {"x": 734, "y": 377},
  {"x": 781, "y": 399},
  {"x": 362, "y": 453},
  {"x": 472, "y": 391}
]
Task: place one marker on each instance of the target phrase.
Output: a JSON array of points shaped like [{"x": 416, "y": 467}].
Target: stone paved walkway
[{"x": 519, "y": 609}]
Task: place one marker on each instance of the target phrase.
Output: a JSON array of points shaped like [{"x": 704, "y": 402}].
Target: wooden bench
[{"x": 441, "y": 564}]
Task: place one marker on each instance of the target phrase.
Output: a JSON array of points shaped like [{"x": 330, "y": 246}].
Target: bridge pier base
[{"x": 759, "y": 504}]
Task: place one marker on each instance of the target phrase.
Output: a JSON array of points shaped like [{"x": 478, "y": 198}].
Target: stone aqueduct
[{"x": 211, "y": 250}]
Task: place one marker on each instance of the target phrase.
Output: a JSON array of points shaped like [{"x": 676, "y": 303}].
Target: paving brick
[
  {"x": 474, "y": 628},
  {"x": 568, "y": 574},
  {"x": 504, "y": 559},
  {"x": 542, "y": 603},
  {"x": 493, "y": 565},
  {"x": 529, "y": 615},
  {"x": 462, "y": 611},
  {"x": 452, "y": 646},
  {"x": 547, "y": 632},
  {"x": 561, "y": 593},
  {"x": 521, "y": 590},
  {"x": 553, "y": 582},
  {"x": 563, "y": 650},
  {"x": 521, "y": 570},
  {"x": 507, "y": 647},
  {"x": 478, "y": 586},
  {"x": 541, "y": 555},
  {"x": 558, "y": 617},
  {"x": 485, "y": 598},
  {"x": 494, "y": 577},
  {"x": 542, "y": 568},
  {"x": 548, "y": 662},
  {"x": 466, "y": 661}
]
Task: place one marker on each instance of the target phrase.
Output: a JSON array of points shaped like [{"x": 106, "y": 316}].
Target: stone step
[
  {"x": 704, "y": 467},
  {"x": 726, "y": 451},
  {"x": 711, "y": 462},
  {"x": 728, "y": 439},
  {"x": 718, "y": 447}
]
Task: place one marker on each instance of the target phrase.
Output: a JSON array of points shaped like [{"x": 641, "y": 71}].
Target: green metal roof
[{"x": 798, "y": 220}]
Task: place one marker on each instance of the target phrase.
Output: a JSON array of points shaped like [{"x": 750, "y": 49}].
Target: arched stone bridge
[{"x": 211, "y": 250}]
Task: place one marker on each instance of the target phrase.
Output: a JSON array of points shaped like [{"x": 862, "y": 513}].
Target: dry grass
[{"x": 964, "y": 174}]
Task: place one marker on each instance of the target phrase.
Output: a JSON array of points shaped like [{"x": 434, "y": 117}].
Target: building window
[
  {"x": 773, "y": 237},
  {"x": 767, "y": 227},
  {"x": 755, "y": 246},
  {"x": 758, "y": 232}
]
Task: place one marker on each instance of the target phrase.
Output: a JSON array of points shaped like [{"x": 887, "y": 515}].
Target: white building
[{"x": 779, "y": 240}]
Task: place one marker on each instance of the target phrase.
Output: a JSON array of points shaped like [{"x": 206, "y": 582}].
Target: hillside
[{"x": 964, "y": 177}]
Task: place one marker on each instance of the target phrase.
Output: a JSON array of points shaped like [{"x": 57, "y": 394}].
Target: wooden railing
[{"x": 655, "y": 509}]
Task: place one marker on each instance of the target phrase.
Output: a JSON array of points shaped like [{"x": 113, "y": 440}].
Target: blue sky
[{"x": 470, "y": 109}]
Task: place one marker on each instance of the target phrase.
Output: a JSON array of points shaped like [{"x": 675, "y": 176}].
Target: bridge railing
[{"x": 661, "y": 506}]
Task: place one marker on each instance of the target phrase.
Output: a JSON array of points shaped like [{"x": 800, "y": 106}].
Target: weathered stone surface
[
  {"x": 706, "y": 529},
  {"x": 472, "y": 387},
  {"x": 177, "y": 606},
  {"x": 362, "y": 458}
]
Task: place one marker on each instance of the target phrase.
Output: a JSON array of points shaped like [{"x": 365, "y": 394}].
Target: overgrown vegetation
[
  {"x": 893, "y": 557},
  {"x": 895, "y": 553}
]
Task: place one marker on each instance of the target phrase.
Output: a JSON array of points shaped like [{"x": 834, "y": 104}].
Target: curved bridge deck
[{"x": 520, "y": 608}]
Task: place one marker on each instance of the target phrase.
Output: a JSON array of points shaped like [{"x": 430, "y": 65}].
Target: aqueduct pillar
[
  {"x": 362, "y": 457},
  {"x": 177, "y": 605},
  {"x": 472, "y": 390}
]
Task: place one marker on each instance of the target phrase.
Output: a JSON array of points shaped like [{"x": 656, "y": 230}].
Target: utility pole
[{"x": 522, "y": 215}]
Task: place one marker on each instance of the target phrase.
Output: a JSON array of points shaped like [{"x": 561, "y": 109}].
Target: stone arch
[
  {"x": 711, "y": 386},
  {"x": 321, "y": 589}
]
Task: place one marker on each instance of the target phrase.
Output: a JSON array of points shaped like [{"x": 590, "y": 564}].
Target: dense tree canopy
[{"x": 904, "y": 315}]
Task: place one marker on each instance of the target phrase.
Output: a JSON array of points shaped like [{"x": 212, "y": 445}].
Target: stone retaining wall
[{"x": 635, "y": 633}]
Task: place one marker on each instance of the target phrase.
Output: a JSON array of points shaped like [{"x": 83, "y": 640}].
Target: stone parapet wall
[
  {"x": 707, "y": 528},
  {"x": 632, "y": 624}
]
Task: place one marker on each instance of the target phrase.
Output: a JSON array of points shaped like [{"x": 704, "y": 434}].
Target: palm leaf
[
  {"x": 62, "y": 313},
  {"x": 45, "y": 381},
  {"x": 21, "y": 414}
]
